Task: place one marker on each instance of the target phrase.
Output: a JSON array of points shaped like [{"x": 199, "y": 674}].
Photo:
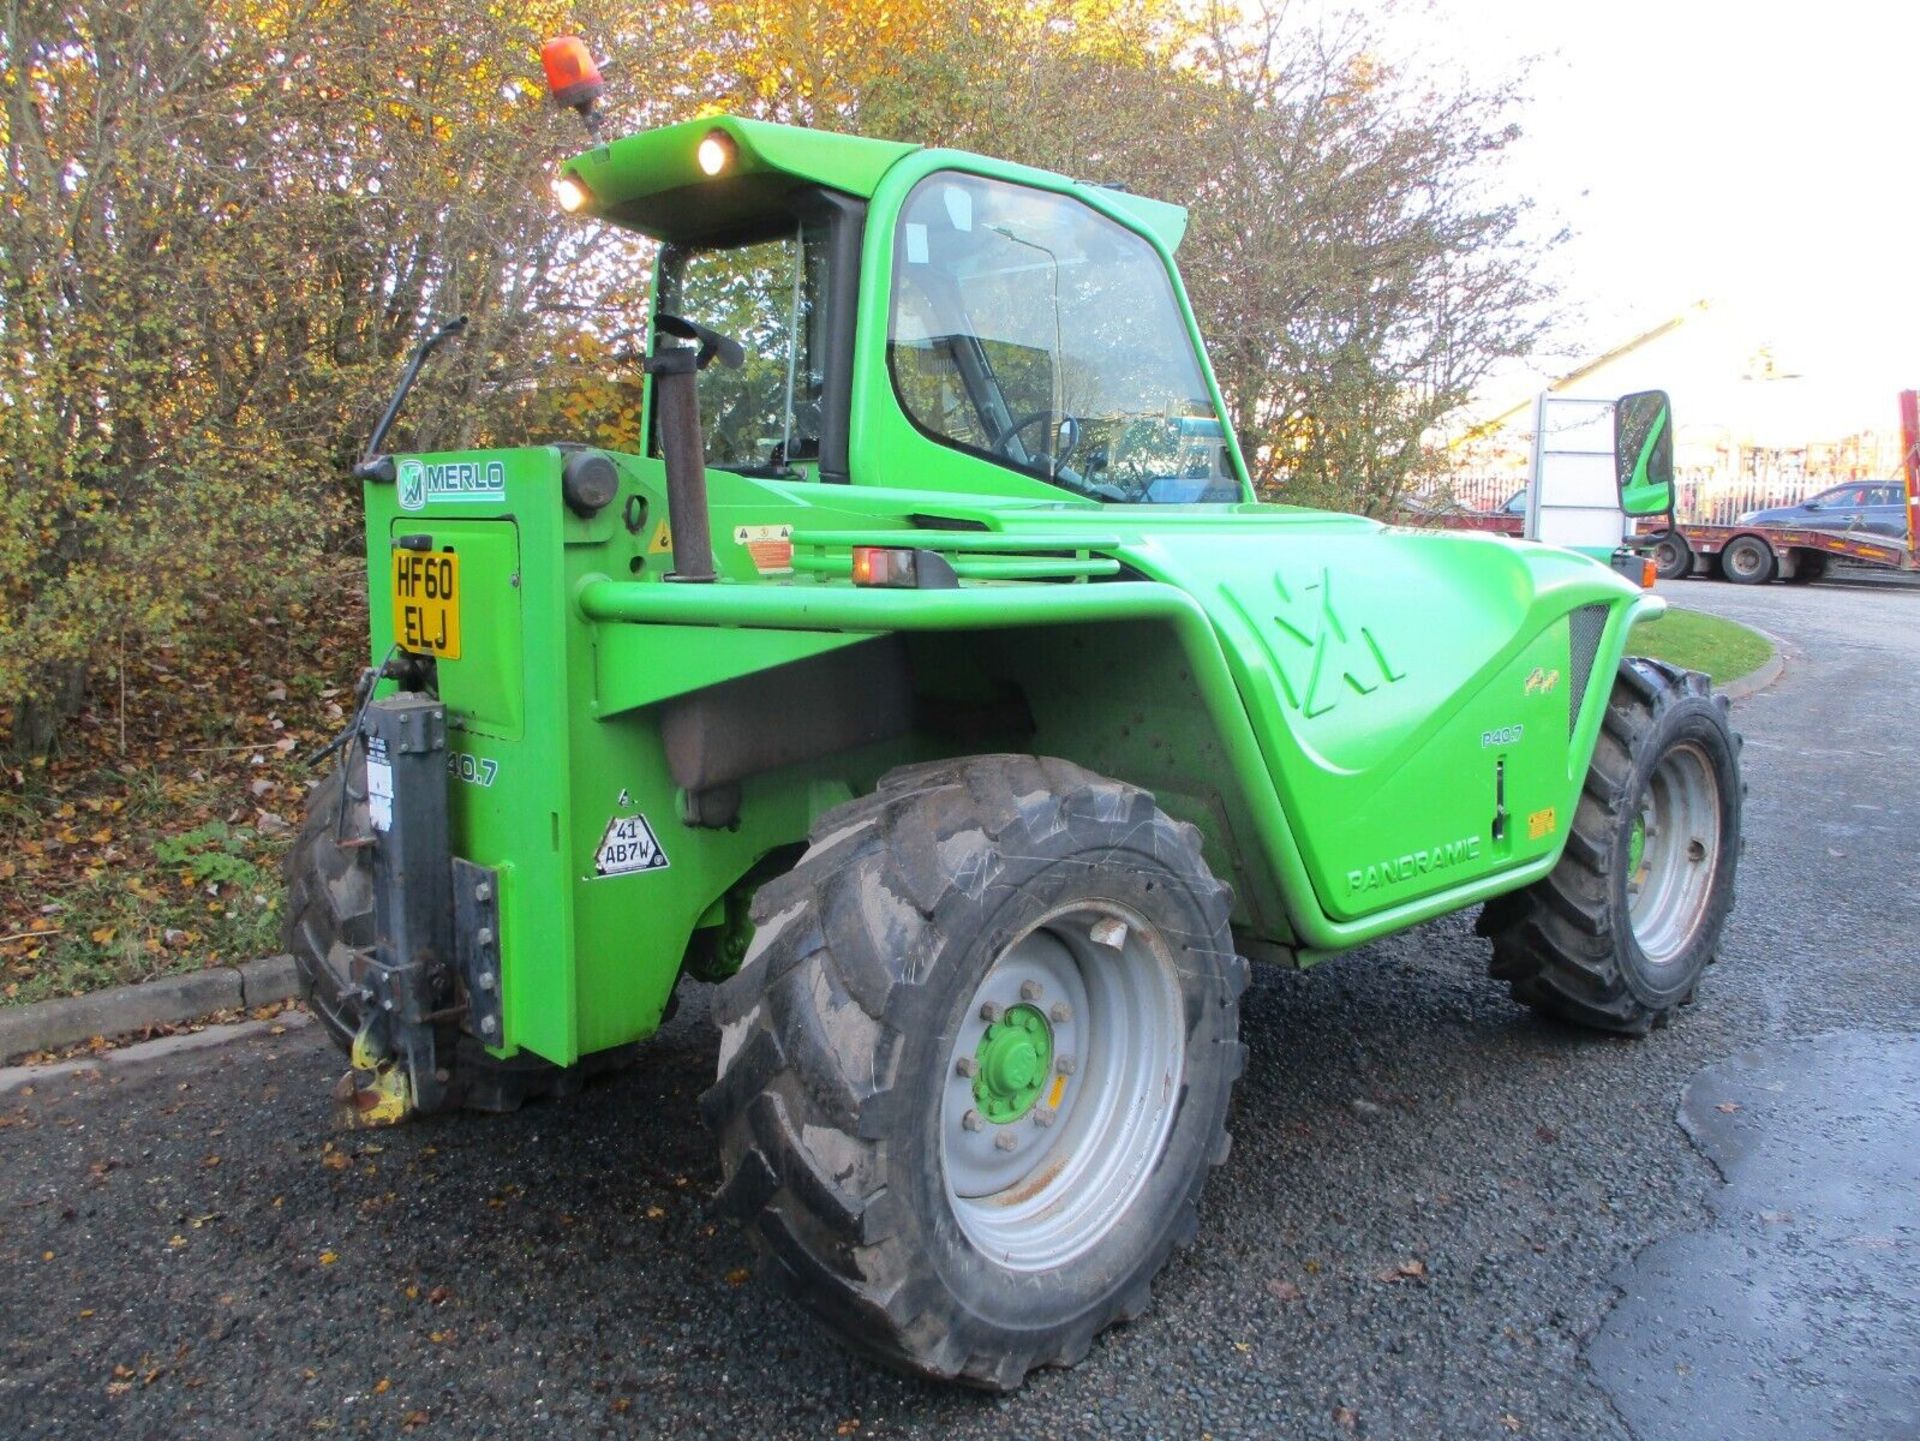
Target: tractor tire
[
  {"x": 1811, "y": 566},
  {"x": 329, "y": 925},
  {"x": 1673, "y": 557},
  {"x": 976, "y": 1066},
  {"x": 1748, "y": 560},
  {"x": 1617, "y": 936},
  {"x": 329, "y": 916}
]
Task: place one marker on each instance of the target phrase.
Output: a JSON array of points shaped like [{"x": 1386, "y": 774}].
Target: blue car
[{"x": 1878, "y": 506}]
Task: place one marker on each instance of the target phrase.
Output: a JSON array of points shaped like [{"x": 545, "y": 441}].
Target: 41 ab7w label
[{"x": 628, "y": 845}]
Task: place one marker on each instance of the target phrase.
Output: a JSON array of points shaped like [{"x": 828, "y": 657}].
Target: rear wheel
[
  {"x": 329, "y": 917},
  {"x": 329, "y": 929},
  {"x": 1617, "y": 936},
  {"x": 977, "y": 1064},
  {"x": 1747, "y": 560}
]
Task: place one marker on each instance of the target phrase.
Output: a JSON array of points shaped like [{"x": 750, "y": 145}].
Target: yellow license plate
[{"x": 426, "y": 602}]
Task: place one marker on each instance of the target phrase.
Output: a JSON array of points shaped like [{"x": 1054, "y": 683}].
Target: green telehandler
[{"x": 934, "y": 684}]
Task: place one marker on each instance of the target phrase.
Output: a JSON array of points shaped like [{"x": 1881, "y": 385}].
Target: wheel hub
[
  {"x": 1060, "y": 1085},
  {"x": 1014, "y": 1057}
]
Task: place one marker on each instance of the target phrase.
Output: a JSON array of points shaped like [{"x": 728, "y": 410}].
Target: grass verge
[{"x": 1723, "y": 649}]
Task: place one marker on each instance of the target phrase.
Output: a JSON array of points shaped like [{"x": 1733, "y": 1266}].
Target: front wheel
[
  {"x": 1673, "y": 557},
  {"x": 1617, "y": 935},
  {"x": 977, "y": 1064}
]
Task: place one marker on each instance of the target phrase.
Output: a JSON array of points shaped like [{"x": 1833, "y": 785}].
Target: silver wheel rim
[
  {"x": 1679, "y": 821},
  {"x": 1746, "y": 560},
  {"x": 1107, "y": 983}
]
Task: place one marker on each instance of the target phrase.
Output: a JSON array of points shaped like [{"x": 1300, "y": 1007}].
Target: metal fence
[
  {"x": 1731, "y": 480},
  {"x": 1705, "y": 497}
]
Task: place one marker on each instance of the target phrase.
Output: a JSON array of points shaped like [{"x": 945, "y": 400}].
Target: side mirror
[{"x": 1643, "y": 453}]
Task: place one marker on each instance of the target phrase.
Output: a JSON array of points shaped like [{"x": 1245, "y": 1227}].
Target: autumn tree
[
  {"x": 223, "y": 222},
  {"x": 1351, "y": 255}
]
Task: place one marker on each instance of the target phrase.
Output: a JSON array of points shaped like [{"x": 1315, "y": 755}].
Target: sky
[{"x": 1761, "y": 157}]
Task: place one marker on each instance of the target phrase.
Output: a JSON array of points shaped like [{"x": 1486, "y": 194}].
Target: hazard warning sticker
[
  {"x": 629, "y": 845},
  {"x": 770, "y": 546}
]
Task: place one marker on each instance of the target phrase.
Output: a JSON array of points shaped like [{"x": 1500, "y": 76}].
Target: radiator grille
[{"x": 1585, "y": 627}]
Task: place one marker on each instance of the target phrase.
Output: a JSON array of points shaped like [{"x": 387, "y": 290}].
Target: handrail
[{"x": 911, "y": 537}]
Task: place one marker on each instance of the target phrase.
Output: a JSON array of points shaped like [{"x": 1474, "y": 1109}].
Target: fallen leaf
[
  {"x": 336, "y": 1160},
  {"x": 1729, "y": 1107},
  {"x": 1346, "y": 1417},
  {"x": 382, "y": 1386},
  {"x": 738, "y": 1276},
  {"x": 439, "y": 1296},
  {"x": 1510, "y": 1421},
  {"x": 1283, "y": 1291},
  {"x": 327, "y": 1258},
  {"x": 1405, "y": 1271}
]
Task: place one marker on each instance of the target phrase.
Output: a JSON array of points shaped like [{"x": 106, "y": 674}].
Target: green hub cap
[
  {"x": 1015, "y": 1058},
  {"x": 1636, "y": 846}
]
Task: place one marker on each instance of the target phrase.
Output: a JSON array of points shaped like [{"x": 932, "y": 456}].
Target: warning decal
[
  {"x": 628, "y": 845},
  {"x": 771, "y": 547}
]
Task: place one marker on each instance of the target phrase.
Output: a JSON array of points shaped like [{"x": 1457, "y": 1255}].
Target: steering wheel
[{"x": 1069, "y": 428}]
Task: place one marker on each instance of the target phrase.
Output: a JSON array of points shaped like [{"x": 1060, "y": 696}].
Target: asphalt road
[{"x": 194, "y": 1253}]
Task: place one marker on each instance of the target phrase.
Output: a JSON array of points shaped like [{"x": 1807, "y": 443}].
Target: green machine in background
[{"x": 935, "y": 684}]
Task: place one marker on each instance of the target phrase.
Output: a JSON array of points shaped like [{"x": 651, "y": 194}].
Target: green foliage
[{"x": 211, "y": 852}]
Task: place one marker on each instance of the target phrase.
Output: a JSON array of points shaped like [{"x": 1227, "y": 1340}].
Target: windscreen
[{"x": 1030, "y": 329}]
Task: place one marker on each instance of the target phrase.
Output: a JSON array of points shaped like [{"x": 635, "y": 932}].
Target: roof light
[
  {"x": 572, "y": 77},
  {"x": 571, "y": 194},
  {"x": 716, "y": 152}
]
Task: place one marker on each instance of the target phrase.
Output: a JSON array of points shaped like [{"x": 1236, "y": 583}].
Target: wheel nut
[
  {"x": 488, "y": 1025},
  {"x": 486, "y": 980},
  {"x": 1005, "y": 1141},
  {"x": 971, "y": 1121},
  {"x": 991, "y": 1013},
  {"x": 966, "y": 1065},
  {"x": 1030, "y": 990},
  {"x": 1043, "y": 1116},
  {"x": 1061, "y": 1013},
  {"x": 1065, "y": 1065}
]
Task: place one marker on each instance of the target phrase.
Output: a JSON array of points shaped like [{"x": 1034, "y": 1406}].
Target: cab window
[{"x": 1029, "y": 329}]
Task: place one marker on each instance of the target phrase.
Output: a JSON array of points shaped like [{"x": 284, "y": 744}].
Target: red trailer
[{"x": 1756, "y": 554}]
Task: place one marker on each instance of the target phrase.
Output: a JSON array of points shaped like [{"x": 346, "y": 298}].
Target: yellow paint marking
[{"x": 1059, "y": 1090}]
